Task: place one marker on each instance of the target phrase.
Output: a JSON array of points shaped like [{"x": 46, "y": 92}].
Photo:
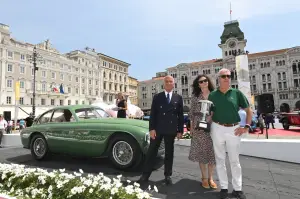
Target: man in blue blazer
[{"x": 166, "y": 122}]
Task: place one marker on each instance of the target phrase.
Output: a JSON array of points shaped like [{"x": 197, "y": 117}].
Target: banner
[
  {"x": 17, "y": 90},
  {"x": 243, "y": 79}
]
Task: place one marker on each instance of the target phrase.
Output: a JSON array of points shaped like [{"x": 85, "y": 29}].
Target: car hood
[{"x": 131, "y": 122}]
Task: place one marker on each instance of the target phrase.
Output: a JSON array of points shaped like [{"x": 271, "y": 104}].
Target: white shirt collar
[{"x": 170, "y": 93}]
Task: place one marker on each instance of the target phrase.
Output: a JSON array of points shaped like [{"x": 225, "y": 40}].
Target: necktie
[{"x": 168, "y": 98}]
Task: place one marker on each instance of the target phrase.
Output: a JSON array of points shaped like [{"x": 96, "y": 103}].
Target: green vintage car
[{"x": 88, "y": 131}]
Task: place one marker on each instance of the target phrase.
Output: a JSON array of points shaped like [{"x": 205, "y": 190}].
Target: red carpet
[
  {"x": 281, "y": 132},
  {"x": 276, "y": 132}
]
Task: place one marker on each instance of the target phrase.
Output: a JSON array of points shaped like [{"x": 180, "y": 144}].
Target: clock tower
[{"x": 233, "y": 41}]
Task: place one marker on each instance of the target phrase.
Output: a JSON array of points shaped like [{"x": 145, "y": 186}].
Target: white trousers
[{"x": 223, "y": 138}]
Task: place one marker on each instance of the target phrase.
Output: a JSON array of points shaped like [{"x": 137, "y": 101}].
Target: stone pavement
[{"x": 262, "y": 179}]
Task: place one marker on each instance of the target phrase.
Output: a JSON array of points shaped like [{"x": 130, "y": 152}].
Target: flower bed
[{"x": 27, "y": 183}]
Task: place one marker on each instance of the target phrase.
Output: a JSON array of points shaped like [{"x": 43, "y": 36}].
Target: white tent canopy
[{"x": 132, "y": 110}]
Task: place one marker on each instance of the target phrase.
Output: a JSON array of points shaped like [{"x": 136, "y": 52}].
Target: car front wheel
[
  {"x": 125, "y": 152},
  {"x": 39, "y": 147}
]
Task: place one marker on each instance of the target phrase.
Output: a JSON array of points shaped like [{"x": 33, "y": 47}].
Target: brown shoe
[
  {"x": 212, "y": 184},
  {"x": 205, "y": 183}
]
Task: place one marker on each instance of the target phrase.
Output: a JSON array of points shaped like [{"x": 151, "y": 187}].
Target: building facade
[
  {"x": 276, "y": 72},
  {"x": 147, "y": 89},
  {"x": 77, "y": 77},
  {"x": 133, "y": 90}
]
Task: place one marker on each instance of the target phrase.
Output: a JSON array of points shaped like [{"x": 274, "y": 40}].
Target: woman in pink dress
[{"x": 201, "y": 150}]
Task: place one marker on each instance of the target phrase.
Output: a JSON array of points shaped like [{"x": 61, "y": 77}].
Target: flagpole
[{"x": 230, "y": 12}]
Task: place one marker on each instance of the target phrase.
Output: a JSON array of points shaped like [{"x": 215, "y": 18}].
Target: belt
[{"x": 227, "y": 125}]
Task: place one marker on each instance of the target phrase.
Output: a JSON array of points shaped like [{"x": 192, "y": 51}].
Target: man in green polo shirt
[{"x": 226, "y": 132}]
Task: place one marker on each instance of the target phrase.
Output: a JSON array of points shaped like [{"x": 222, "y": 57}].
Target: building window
[
  {"x": 76, "y": 102},
  {"x": 70, "y": 78},
  {"x": 9, "y": 83},
  {"x": 83, "y": 102},
  {"x": 22, "y": 57},
  {"x": 90, "y": 81},
  {"x": 10, "y": 54},
  {"x": 22, "y": 84},
  {"x": 43, "y": 87},
  {"x": 9, "y": 68},
  {"x": 96, "y": 93},
  {"x": 69, "y": 89},
  {"x": 22, "y": 69},
  {"x": 53, "y": 75},
  {"x": 31, "y": 101},
  {"x": 43, "y": 73},
  {"x": 61, "y": 102},
  {"x": 90, "y": 92},
  {"x": 77, "y": 91},
  {"x": 69, "y": 102},
  {"x": 52, "y": 102},
  {"x": 43, "y": 102},
  {"x": 8, "y": 100},
  {"x": 61, "y": 76},
  {"x": 21, "y": 100}
]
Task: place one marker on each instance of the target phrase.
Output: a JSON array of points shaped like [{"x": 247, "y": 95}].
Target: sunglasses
[
  {"x": 224, "y": 76},
  {"x": 201, "y": 81}
]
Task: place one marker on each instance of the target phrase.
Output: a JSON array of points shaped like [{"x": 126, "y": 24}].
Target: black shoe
[
  {"x": 224, "y": 194},
  {"x": 168, "y": 180},
  {"x": 238, "y": 194},
  {"x": 143, "y": 179}
]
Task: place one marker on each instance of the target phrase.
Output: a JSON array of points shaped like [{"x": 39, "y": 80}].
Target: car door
[
  {"x": 62, "y": 130},
  {"x": 88, "y": 139}
]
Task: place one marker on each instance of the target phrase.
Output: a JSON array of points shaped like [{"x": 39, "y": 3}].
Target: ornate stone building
[
  {"x": 77, "y": 77},
  {"x": 133, "y": 90},
  {"x": 276, "y": 72}
]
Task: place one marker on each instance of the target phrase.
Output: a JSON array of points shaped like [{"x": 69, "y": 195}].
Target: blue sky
[{"x": 152, "y": 35}]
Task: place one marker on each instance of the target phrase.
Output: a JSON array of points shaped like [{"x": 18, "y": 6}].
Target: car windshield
[{"x": 90, "y": 113}]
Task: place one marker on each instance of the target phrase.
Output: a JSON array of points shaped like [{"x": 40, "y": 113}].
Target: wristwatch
[{"x": 247, "y": 126}]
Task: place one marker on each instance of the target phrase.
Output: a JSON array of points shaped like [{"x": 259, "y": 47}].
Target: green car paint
[{"x": 86, "y": 137}]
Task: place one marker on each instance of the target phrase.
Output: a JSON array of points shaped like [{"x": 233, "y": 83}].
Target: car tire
[
  {"x": 133, "y": 150},
  {"x": 285, "y": 125},
  {"x": 38, "y": 141}
]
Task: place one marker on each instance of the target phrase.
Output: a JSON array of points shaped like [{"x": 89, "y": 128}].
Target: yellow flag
[
  {"x": 252, "y": 100},
  {"x": 17, "y": 91}
]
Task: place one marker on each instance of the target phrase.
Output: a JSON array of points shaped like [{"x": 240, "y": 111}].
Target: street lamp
[{"x": 34, "y": 58}]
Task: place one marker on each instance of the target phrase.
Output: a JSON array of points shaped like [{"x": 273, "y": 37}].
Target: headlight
[{"x": 147, "y": 137}]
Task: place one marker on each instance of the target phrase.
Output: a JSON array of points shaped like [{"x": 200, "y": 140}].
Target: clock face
[{"x": 232, "y": 44}]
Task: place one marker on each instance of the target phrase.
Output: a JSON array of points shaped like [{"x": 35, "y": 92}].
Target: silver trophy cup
[{"x": 205, "y": 106}]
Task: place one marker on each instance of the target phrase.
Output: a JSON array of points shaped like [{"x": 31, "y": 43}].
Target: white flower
[
  {"x": 13, "y": 175},
  {"x": 155, "y": 189}
]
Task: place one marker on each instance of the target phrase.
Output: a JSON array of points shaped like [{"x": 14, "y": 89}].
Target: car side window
[
  {"x": 46, "y": 117},
  {"x": 102, "y": 113},
  {"x": 86, "y": 113},
  {"x": 62, "y": 115}
]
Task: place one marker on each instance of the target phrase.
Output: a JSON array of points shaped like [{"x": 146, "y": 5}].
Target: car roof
[{"x": 74, "y": 107}]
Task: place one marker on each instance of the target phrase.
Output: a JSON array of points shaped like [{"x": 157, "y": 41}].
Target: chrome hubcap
[
  {"x": 39, "y": 147},
  {"x": 122, "y": 153}
]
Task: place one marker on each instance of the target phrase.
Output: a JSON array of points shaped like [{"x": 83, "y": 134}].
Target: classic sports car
[
  {"x": 86, "y": 130},
  {"x": 289, "y": 119}
]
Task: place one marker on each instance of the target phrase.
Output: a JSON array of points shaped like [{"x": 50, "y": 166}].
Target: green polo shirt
[{"x": 226, "y": 105}]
